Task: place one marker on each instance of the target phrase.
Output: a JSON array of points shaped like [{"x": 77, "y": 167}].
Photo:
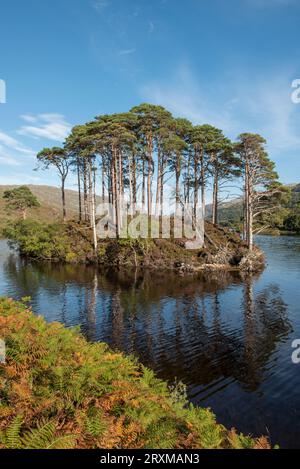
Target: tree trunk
[
  {"x": 103, "y": 182},
  {"x": 92, "y": 206},
  {"x": 149, "y": 184},
  {"x": 158, "y": 184},
  {"x": 115, "y": 193},
  {"x": 79, "y": 190},
  {"x": 143, "y": 186},
  {"x": 188, "y": 179},
  {"x": 215, "y": 199},
  {"x": 177, "y": 190},
  {"x": 161, "y": 198},
  {"x": 248, "y": 207},
  {"x": 134, "y": 188},
  {"x": 85, "y": 198},
  {"x": 130, "y": 184},
  {"x": 196, "y": 188},
  {"x": 63, "y": 196},
  {"x": 203, "y": 195}
]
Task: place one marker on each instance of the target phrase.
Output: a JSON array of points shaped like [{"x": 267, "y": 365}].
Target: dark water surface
[{"x": 228, "y": 337}]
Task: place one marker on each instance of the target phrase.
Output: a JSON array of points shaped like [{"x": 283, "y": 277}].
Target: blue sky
[{"x": 228, "y": 63}]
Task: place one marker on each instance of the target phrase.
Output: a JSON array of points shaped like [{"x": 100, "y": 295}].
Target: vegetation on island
[
  {"x": 72, "y": 243},
  {"x": 133, "y": 159},
  {"x": 134, "y": 156},
  {"x": 59, "y": 391}
]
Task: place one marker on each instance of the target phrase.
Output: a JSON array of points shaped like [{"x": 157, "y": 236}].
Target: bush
[
  {"x": 59, "y": 391},
  {"x": 66, "y": 242}
]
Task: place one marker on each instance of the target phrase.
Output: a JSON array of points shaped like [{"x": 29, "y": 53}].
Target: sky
[{"x": 226, "y": 63}]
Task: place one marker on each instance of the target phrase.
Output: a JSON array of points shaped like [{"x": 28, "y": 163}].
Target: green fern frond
[
  {"x": 10, "y": 438},
  {"x": 62, "y": 442},
  {"x": 94, "y": 424},
  {"x": 40, "y": 437}
]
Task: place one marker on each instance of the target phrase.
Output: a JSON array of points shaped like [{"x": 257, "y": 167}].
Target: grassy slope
[
  {"x": 50, "y": 200},
  {"x": 59, "y": 391}
]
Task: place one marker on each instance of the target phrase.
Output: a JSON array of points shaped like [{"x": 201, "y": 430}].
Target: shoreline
[{"x": 72, "y": 243}]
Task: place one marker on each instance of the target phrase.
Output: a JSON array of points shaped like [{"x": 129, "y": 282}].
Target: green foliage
[
  {"x": 19, "y": 199},
  {"x": 56, "y": 241},
  {"x": 10, "y": 437},
  {"x": 37, "y": 240},
  {"x": 41, "y": 437},
  {"x": 59, "y": 391},
  {"x": 292, "y": 221}
]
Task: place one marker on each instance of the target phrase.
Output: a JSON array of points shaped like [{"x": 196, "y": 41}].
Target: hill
[
  {"x": 231, "y": 212},
  {"x": 50, "y": 200}
]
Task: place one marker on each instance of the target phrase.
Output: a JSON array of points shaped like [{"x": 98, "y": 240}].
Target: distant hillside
[
  {"x": 231, "y": 213},
  {"x": 50, "y": 200}
]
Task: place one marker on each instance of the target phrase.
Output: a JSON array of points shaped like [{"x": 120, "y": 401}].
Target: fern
[
  {"x": 40, "y": 437},
  {"x": 11, "y": 437},
  {"x": 62, "y": 442},
  {"x": 43, "y": 437},
  {"x": 94, "y": 424}
]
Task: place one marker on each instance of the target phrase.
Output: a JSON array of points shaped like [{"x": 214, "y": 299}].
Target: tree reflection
[{"x": 190, "y": 327}]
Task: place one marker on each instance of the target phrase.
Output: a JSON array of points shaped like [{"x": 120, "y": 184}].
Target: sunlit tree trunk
[
  {"x": 63, "y": 196},
  {"x": 79, "y": 190},
  {"x": 203, "y": 191}
]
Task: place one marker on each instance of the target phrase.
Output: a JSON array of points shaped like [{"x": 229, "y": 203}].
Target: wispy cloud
[
  {"x": 151, "y": 27},
  {"x": 184, "y": 96},
  {"x": 29, "y": 118},
  {"x": 49, "y": 126},
  {"x": 99, "y": 5},
  {"x": 17, "y": 178},
  {"x": 14, "y": 144},
  {"x": 7, "y": 159},
  {"x": 126, "y": 51},
  {"x": 263, "y": 106}
]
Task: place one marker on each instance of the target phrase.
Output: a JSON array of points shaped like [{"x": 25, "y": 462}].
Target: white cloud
[
  {"x": 263, "y": 106},
  {"x": 184, "y": 97},
  {"x": 29, "y": 118},
  {"x": 99, "y": 5},
  {"x": 7, "y": 159},
  {"x": 19, "y": 178},
  {"x": 151, "y": 27},
  {"x": 274, "y": 114},
  {"x": 14, "y": 144},
  {"x": 127, "y": 51},
  {"x": 50, "y": 126}
]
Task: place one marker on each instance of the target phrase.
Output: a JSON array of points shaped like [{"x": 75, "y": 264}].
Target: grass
[{"x": 59, "y": 391}]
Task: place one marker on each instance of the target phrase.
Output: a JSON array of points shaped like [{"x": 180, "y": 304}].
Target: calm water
[{"x": 228, "y": 337}]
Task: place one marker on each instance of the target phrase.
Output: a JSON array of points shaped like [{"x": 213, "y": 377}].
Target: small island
[{"x": 146, "y": 165}]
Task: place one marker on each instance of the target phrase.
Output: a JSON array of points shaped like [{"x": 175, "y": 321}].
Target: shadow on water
[{"x": 218, "y": 332}]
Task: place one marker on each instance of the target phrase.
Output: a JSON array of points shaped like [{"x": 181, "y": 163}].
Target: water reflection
[
  {"x": 176, "y": 325},
  {"x": 219, "y": 332}
]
